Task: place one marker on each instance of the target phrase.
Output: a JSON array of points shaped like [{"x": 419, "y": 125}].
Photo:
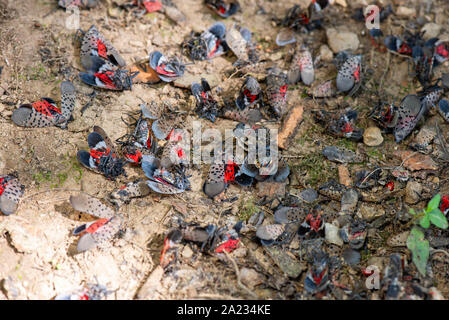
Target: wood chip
[{"x": 290, "y": 126}]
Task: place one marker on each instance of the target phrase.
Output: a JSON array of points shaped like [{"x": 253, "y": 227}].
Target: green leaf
[
  {"x": 416, "y": 234},
  {"x": 412, "y": 212},
  {"x": 438, "y": 219},
  {"x": 419, "y": 248},
  {"x": 425, "y": 221},
  {"x": 434, "y": 203}
]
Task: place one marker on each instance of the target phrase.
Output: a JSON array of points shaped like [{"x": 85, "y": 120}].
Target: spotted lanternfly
[
  {"x": 247, "y": 116},
  {"x": 209, "y": 44},
  {"x": 88, "y": 292},
  {"x": 317, "y": 279},
  {"x": 224, "y": 8},
  {"x": 238, "y": 40},
  {"x": 341, "y": 124},
  {"x": 131, "y": 190},
  {"x": 83, "y": 4},
  {"x": 99, "y": 231},
  {"x": 250, "y": 94},
  {"x": 215, "y": 182},
  {"x": 170, "y": 248},
  {"x": 45, "y": 113},
  {"x": 10, "y": 193},
  {"x": 349, "y": 75},
  {"x": 302, "y": 67},
  {"x": 409, "y": 112},
  {"x": 268, "y": 234},
  {"x": 168, "y": 70},
  {"x": 118, "y": 79},
  {"x": 354, "y": 233},
  {"x": 97, "y": 53},
  {"x": 229, "y": 239},
  {"x": 162, "y": 180},
  {"x": 206, "y": 105},
  {"x": 102, "y": 157},
  {"x": 277, "y": 91}
]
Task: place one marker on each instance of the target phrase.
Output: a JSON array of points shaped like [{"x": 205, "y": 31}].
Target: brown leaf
[{"x": 146, "y": 74}]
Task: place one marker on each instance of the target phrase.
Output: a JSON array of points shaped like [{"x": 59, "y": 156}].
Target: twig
[
  {"x": 237, "y": 273},
  {"x": 385, "y": 72},
  {"x": 371, "y": 173}
]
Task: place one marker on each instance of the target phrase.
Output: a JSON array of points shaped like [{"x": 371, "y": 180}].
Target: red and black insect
[
  {"x": 206, "y": 105},
  {"x": 45, "y": 113},
  {"x": 11, "y": 190},
  {"x": 102, "y": 157},
  {"x": 224, "y": 8},
  {"x": 99, "y": 231},
  {"x": 167, "y": 69}
]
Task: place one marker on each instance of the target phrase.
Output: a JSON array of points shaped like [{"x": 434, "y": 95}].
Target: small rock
[
  {"x": 340, "y": 40},
  {"x": 271, "y": 189},
  {"x": 406, "y": 12},
  {"x": 240, "y": 252},
  {"x": 369, "y": 213},
  {"x": 187, "y": 253},
  {"x": 343, "y": 176},
  {"x": 326, "y": 53},
  {"x": 414, "y": 161},
  {"x": 413, "y": 192},
  {"x": 432, "y": 30},
  {"x": 349, "y": 201},
  {"x": 308, "y": 195},
  {"x": 251, "y": 278},
  {"x": 331, "y": 234},
  {"x": 372, "y": 137},
  {"x": 341, "y": 155},
  {"x": 286, "y": 261}
]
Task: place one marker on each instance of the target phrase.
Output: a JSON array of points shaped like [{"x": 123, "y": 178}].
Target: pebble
[
  {"x": 286, "y": 262},
  {"x": 251, "y": 278},
  {"x": 343, "y": 176},
  {"x": 187, "y": 253},
  {"x": 339, "y": 40},
  {"x": 405, "y": 12},
  {"x": 432, "y": 30},
  {"x": 349, "y": 201},
  {"x": 369, "y": 213},
  {"x": 413, "y": 192},
  {"x": 372, "y": 137},
  {"x": 331, "y": 234},
  {"x": 308, "y": 195},
  {"x": 326, "y": 53}
]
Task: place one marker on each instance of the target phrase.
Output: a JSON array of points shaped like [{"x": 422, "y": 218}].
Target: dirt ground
[{"x": 37, "y": 52}]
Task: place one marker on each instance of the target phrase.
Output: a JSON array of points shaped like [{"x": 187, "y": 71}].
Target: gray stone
[
  {"x": 413, "y": 192},
  {"x": 340, "y": 40},
  {"x": 331, "y": 234},
  {"x": 251, "y": 278}
]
